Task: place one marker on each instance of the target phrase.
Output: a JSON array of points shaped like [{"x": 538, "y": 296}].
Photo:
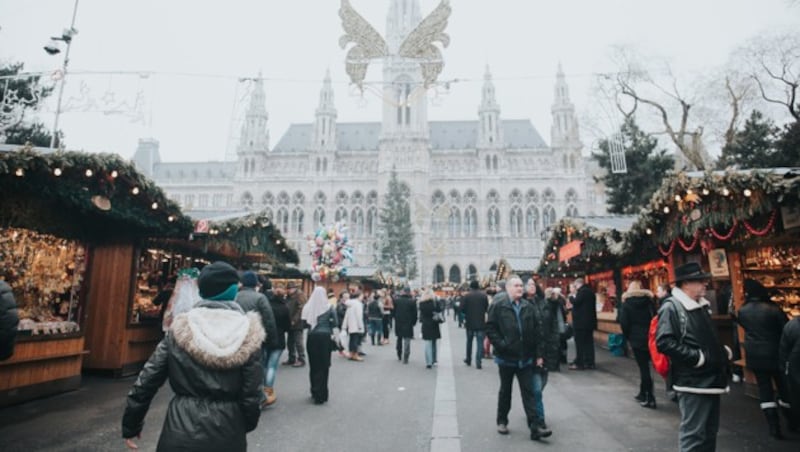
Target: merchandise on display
[
  {"x": 46, "y": 274},
  {"x": 778, "y": 269}
]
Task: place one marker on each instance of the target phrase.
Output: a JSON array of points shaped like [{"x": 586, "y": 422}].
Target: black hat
[
  {"x": 474, "y": 284},
  {"x": 216, "y": 278},
  {"x": 249, "y": 279},
  {"x": 690, "y": 272},
  {"x": 406, "y": 289},
  {"x": 755, "y": 291}
]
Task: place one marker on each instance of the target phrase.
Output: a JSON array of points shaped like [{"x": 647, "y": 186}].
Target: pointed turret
[
  {"x": 490, "y": 129},
  {"x": 404, "y": 16},
  {"x": 255, "y": 136},
  {"x": 564, "y": 133},
  {"x": 324, "y": 136}
]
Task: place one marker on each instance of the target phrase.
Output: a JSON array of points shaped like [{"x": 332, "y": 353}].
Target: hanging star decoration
[{"x": 418, "y": 45}]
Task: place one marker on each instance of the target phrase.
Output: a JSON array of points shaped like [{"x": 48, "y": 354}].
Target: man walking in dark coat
[
  {"x": 251, "y": 300},
  {"x": 297, "y": 351},
  {"x": 584, "y": 322},
  {"x": 405, "y": 317},
  {"x": 475, "y": 304},
  {"x": 513, "y": 329}
]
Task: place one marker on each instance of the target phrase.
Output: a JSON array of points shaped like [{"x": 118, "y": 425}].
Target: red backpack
[{"x": 660, "y": 360}]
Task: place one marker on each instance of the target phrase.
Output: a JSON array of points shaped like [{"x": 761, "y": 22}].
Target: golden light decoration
[
  {"x": 154, "y": 206},
  {"x": 57, "y": 172},
  {"x": 649, "y": 231},
  {"x": 171, "y": 218},
  {"x": 689, "y": 191},
  {"x": 678, "y": 198},
  {"x": 705, "y": 192},
  {"x": 747, "y": 192},
  {"x": 19, "y": 172},
  {"x": 666, "y": 209},
  {"x": 725, "y": 191},
  {"x": 89, "y": 173},
  {"x": 135, "y": 190},
  {"x": 114, "y": 174}
]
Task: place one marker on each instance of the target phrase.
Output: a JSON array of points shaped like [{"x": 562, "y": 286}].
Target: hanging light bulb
[
  {"x": 725, "y": 191},
  {"x": 666, "y": 209},
  {"x": 171, "y": 218},
  {"x": 677, "y": 198},
  {"x": 649, "y": 231},
  {"x": 89, "y": 173},
  {"x": 705, "y": 192},
  {"x": 689, "y": 191},
  {"x": 57, "y": 172},
  {"x": 114, "y": 174},
  {"x": 135, "y": 190},
  {"x": 154, "y": 206},
  {"x": 747, "y": 192},
  {"x": 19, "y": 172}
]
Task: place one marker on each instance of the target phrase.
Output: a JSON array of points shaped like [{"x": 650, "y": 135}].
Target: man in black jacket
[
  {"x": 584, "y": 322},
  {"x": 513, "y": 329},
  {"x": 698, "y": 361},
  {"x": 405, "y": 317},
  {"x": 475, "y": 304}
]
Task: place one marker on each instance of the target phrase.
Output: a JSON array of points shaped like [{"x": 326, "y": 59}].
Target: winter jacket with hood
[
  {"x": 253, "y": 301},
  {"x": 213, "y": 362},
  {"x": 789, "y": 353},
  {"x": 763, "y": 322},
  {"x": 516, "y": 342},
  {"x": 638, "y": 308},
  {"x": 354, "y": 316},
  {"x": 9, "y": 319},
  {"x": 698, "y": 361}
]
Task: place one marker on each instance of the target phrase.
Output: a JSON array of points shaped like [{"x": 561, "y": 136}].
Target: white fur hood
[{"x": 217, "y": 337}]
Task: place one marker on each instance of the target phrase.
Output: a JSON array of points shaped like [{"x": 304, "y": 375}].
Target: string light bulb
[
  {"x": 725, "y": 191},
  {"x": 154, "y": 206},
  {"x": 677, "y": 198},
  {"x": 57, "y": 172},
  {"x": 649, "y": 231},
  {"x": 747, "y": 192},
  {"x": 135, "y": 190},
  {"x": 170, "y": 218},
  {"x": 689, "y": 191},
  {"x": 705, "y": 192},
  {"x": 19, "y": 172},
  {"x": 666, "y": 209},
  {"x": 89, "y": 173},
  {"x": 114, "y": 174}
]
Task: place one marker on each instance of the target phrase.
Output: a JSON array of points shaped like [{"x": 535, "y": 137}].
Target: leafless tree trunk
[{"x": 775, "y": 67}]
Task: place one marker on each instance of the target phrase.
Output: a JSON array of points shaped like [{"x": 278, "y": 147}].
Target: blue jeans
[
  {"x": 375, "y": 327},
  {"x": 271, "y": 360},
  {"x": 430, "y": 352},
  {"x": 478, "y": 335},
  {"x": 539, "y": 382}
]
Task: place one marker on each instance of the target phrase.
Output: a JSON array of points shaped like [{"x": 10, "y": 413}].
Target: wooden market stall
[
  {"x": 68, "y": 221},
  {"x": 737, "y": 225}
]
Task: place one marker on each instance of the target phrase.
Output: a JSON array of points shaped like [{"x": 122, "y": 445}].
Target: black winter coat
[
  {"x": 689, "y": 374},
  {"x": 547, "y": 312},
  {"x": 252, "y": 301},
  {"x": 635, "y": 314},
  {"x": 475, "y": 305},
  {"x": 405, "y": 316},
  {"x": 584, "y": 309},
  {"x": 216, "y": 390},
  {"x": 511, "y": 344},
  {"x": 9, "y": 319},
  {"x": 430, "y": 328},
  {"x": 282, "y": 322},
  {"x": 789, "y": 353},
  {"x": 763, "y": 323}
]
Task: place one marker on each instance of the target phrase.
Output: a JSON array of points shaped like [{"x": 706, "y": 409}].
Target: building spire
[
  {"x": 255, "y": 136},
  {"x": 403, "y": 17},
  {"x": 324, "y": 136},
  {"x": 564, "y": 133},
  {"x": 490, "y": 130}
]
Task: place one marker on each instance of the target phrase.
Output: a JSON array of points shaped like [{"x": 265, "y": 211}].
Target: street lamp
[{"x": 52, "y": 48}]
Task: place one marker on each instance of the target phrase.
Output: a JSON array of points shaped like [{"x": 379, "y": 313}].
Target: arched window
[
  {"x": 454, "y": 197},
  {"x": 515, "y": 197},
  {"x": 493, "y": 220},
  {"x": 455, "y": 274},
  {"x": 493, "y": 197},
  {"x": 438, "y": 274},
  {"x": 531, "y": 197},
  {"x": 548, "y": 216},
  {"x": 282, "y": 220},
  {"x": 494, "y": 163},
  {"x": 247, "y": 199},
  {"x": 319, "y": 165},
  {"x": 319, "y": 217},
  {"x": 532, "y": 221},
  {"x": 267, "y": 199},
  {"x": 470, "y": 222},
  {"x": 357, "y": 198},
  {"x": 268, "y": 213},
  {"x": 470, "y": 197},
  {"x": 572, "y": 211},
  {"x": 320, "y": 198},
  {"x": 571, "y": 197},
  {"x": 372, "y": 198},
  {"x": 298, "y": 198},
  {"x": 325, "y": 164},
  {"x": 472, "y": 272},
  {"x": 437, "y": 199},
  {"x": 488, "y": 163},
  {"x": 341, "y": 198},
  {"x": 403, "y": 100},
  {"x": 372, "y": 221},
  {"x": 548, "y": 196},
  {"x": 437, "y": 222},
  {"x": 283, "y": 198},
  {"x": 297, "y": 220},
  {"x": 341, "y": 214},
  {"x": 454, "y": 222},
  {"x": 357, "y": 222},
  {"x": 515, "y": 218}
]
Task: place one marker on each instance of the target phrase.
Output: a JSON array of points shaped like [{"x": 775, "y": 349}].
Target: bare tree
[
  {"x": 636, "y": 83},
  {"x": 774, "y": 64}
]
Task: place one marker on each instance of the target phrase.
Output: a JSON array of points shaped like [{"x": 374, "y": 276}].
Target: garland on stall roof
[
  {"x": 686, "y": 247},
  {"x": 767, "y": 228},
  {"x": 723, "y": 237}
]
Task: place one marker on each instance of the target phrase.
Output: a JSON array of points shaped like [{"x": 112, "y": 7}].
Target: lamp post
[{"x": 52, "y": 48}]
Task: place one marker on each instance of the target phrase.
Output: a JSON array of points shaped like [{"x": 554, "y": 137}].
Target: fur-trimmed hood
[
  {"x": 218, "y": 335},
  {"x": 637, "y": 293}
]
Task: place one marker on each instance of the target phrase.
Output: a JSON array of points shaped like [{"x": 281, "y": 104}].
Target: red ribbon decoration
[
  {"x": 688, "y": 247},
  {"x": 723, "y": 237},
  {"x": 669, "y": 251},
  {"x": 766, "y": 229}
]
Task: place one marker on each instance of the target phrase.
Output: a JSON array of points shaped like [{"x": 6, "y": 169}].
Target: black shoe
[
  {"x": 478, "y": 366},
  {"x": 640, "y": 397},
  {"x": 466, "y": 361},
  {"x": 428, "y": 366},
  {"x": 537, "y": 432},
  {"x": 649, "y": 401}
]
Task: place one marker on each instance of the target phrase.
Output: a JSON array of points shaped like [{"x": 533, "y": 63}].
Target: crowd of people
[{"x": 222, "y": 357}]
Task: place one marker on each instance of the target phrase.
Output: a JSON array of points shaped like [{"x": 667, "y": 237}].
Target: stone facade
[{"x": 481, "y": 190}]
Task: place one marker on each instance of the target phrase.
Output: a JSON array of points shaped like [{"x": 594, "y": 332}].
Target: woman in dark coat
[
  {"x": 430, "y": 327},
  {"x": 638, "y": 307},
  {"x": 320, "y": 318},
  {"x": 763, "y": 323},
  {"x": 547, "y": 308},
  {"x": 276, "y": 345},
  {"x": 405, "y": 317},
  {"x": 216, "y": 383}
]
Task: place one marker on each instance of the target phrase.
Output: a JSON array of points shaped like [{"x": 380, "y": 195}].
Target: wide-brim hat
[
  {"x": 690, "y": 272},
  {"x": 755, "y": 291}
]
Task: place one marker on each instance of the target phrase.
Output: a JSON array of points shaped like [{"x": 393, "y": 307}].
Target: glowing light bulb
[
  {"x": 666, "y": 209},
  {"x": 89, "y": 173},
  {"x": 57, "y": 172},
  {"x": 135, "y": 190}
]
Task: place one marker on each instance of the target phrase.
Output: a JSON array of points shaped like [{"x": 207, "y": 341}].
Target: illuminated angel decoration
[{"x": 418, "y": 45}]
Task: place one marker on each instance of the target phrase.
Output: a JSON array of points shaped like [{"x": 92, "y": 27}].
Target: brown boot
[
  {"x": 270, "y": 394},
  {"x": 355, "y": 357}
]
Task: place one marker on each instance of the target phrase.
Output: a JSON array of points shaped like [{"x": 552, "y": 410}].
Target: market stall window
[
  {"x": 156, "y": 274},
  {"x": 46, "y": 274},
  {"x": 778, "y": 269}
]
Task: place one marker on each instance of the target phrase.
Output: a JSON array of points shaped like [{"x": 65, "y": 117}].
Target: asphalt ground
[{"x": 381, "y": 404}]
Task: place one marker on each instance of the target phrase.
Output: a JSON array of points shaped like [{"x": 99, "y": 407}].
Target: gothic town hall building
[{"x": 481, "y": 190}]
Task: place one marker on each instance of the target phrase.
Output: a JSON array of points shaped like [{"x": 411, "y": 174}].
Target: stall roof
[
  {"x": 522, "y": 264},
  {"x": 621, "y": 223},
  {"x": 361, "y": 272}
]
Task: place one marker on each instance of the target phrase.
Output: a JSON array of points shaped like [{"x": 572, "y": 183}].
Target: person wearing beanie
[
  {"x": 212, "y": 359},
  {"x": 251, "y": 300},
  {"x": 763, "y": 322},
  {"x": 280, "y": 310},
  {"x": 637, "y": 310}
]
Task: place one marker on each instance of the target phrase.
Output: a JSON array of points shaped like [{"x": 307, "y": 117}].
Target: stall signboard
[
  {"x": 791, "y": 216},
  {"x": 570, "y": 250},
  {"x": 718, "y": 263}
]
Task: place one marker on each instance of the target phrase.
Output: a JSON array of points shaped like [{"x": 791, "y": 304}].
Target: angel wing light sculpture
[{"x": 418, "y": 45}]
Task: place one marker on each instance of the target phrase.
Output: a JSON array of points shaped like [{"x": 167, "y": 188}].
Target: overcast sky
[{"x": 176, "y": 63}]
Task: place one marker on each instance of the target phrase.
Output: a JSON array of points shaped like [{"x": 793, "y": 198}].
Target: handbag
[{"x": 438, "y": 317}]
